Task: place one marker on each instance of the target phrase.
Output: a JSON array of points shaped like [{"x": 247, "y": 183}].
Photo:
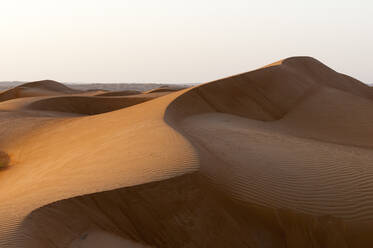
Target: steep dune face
[
  {"x": 38, "y": 88},
  {"x": 277, "y": 157},
  {"x": 268, "y": 93},
  {"x": 188, "y": 216}
]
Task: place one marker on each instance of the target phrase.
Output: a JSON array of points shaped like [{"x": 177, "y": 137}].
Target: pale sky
[{"x": 170, "y": 41}]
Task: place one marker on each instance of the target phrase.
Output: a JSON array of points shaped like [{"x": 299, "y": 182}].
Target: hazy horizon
[{"x": 178, "y": 41}]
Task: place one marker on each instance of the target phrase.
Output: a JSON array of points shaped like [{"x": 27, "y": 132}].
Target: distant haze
[{"x": 178, "y": 41}]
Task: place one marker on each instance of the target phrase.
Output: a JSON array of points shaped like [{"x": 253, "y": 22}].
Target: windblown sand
[{"x": 276, "y": 157}]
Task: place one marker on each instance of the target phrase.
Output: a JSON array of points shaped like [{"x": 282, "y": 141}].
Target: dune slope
[{"x": 89, "y": 105}]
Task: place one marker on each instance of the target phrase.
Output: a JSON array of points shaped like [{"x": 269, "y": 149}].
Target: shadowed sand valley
[{"x": 276, "y": 157}]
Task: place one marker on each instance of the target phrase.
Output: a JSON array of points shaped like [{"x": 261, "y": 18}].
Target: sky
[{"x": 171, "y": 41}]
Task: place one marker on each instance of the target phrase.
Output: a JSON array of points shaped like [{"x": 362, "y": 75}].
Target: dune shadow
[
  {"x": 172, "y": 213},
  {"x": 4, "y": 160}
]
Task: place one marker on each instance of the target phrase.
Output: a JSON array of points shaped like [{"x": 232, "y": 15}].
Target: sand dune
[
  {"x": 276, "y": 157},
  {"x": 38, "y": 88},
  {"x": 121, "y": 93},
  {"x": 49, "y": 85},
  {"x": 273, "y": 163},
  {"x": 162, "y": 89},
  {"x": 88, "y": 105}
]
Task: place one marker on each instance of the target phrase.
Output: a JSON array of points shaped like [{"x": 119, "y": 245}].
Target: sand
[
  {"x": 276, "y": 157},
  {"x": 121, "y": 93},
  {"x": 38, "y": 88}
]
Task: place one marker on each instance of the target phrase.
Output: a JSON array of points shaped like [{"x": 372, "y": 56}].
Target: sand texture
[{"x": 277, "y": 157}]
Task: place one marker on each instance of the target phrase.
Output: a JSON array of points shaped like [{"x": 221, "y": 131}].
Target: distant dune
[
  {"x": 89, "y": 105},
  {"x": 142, "y": 87},
  {"x": 121, "y": 93},
  {"x": 39, "y": 88},
  {"x": 276, "y": 157},
  {"x": 163, "y": 89}
]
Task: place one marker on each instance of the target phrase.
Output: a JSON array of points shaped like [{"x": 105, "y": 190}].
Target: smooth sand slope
[{"x": 277, "y": 157}]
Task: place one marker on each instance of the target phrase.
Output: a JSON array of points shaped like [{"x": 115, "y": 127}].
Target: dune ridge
[
  {"x": 268, "y": 158},
  {"x": 37, "y": 88}
]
